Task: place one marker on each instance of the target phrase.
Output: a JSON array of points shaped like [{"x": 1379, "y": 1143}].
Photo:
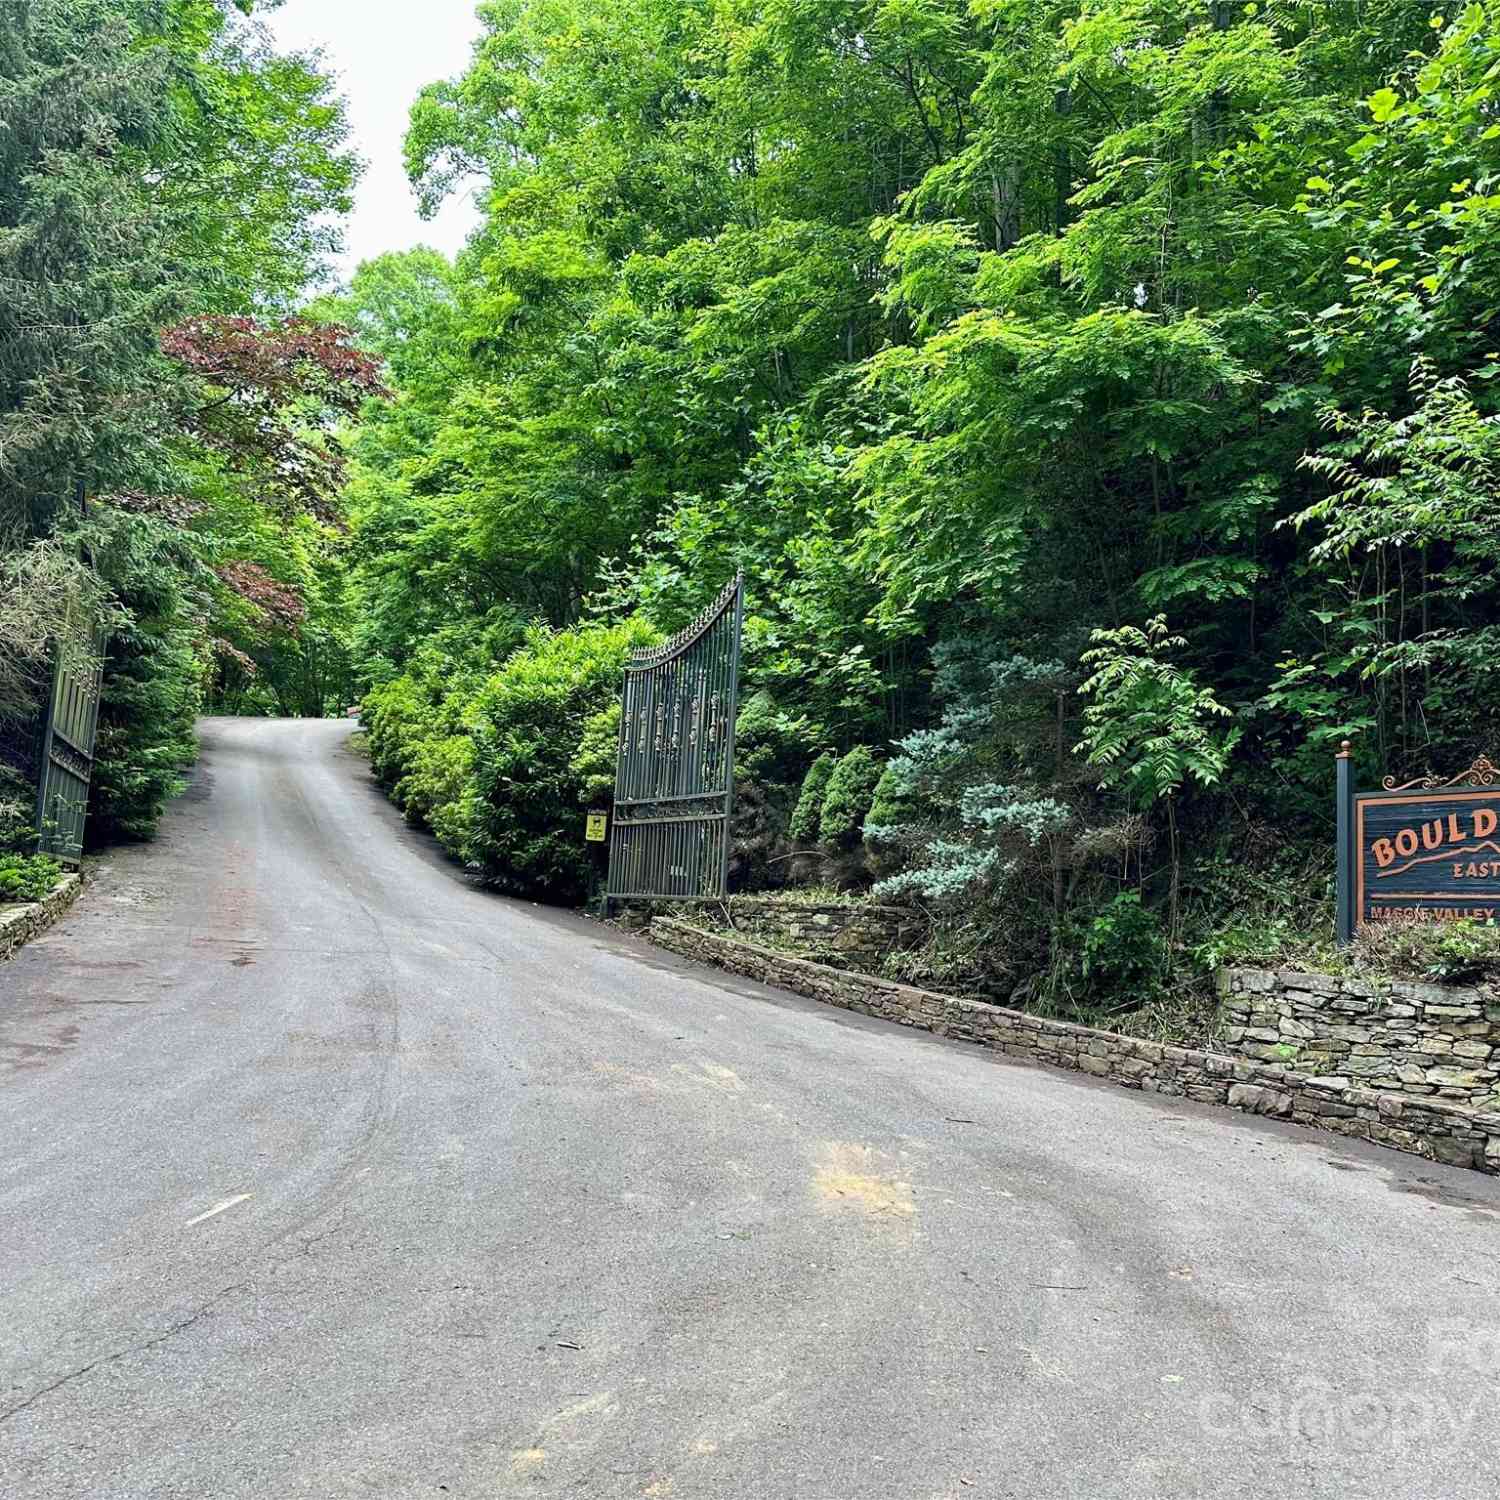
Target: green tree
[
  {"x": 1149, "y": 725},
  {"x": 160, "y": 169},
  {"x": 967, "y": 331}
]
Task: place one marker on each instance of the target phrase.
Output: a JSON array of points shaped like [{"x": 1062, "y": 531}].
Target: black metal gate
[
  {"x": 674, "y": 783},
  {"x": 67, "y": 754}
]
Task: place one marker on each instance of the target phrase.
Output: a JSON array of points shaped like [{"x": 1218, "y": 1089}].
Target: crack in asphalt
[{"x": 118, "y": 1354}]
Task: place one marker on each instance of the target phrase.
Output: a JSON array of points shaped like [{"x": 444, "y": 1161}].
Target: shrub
[
  {"x": 977, "y": 807},
  {"x": 770, "y": 743},
  {"x": 597, "y": 755},
  {"x": 441, "y": 767},
  {"x": 500, "y": 766},
  {"x": 1460, "y": 952},
  {"x": 808, "y": 813},
  {"x": 395, "y": 714},
  {"x": 846, "y": 803},
  {"x": 27, "y": 877},
  {"x": 896, "y": 799},
  {"x": 892, "y": 829},
  {"x": 1002, "y": 834},
  {"x": 769, "y": 748},
  {"x": 17, "y": 806},
  {"x": 523, "y": 826},
  {"x": 1124, "y": 948},
  {"x": 757, "y": 833},
  {"x": 418, "y": 739}
]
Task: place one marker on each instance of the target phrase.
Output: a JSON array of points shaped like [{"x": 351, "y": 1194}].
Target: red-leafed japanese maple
[
  {"x": 273, "y": 395},
  {"x": 227, "y": 651},
  {"x": 279, "y": 603}
]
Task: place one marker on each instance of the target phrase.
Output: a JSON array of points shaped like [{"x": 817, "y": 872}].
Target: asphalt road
[{"x": 323, "y": 1174}]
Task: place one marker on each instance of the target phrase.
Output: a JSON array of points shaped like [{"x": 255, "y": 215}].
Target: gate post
[
  {"x": 44, "y": 752},
  {"x": 734, "y": 709},
  {"x": 1344, "y": 836}
]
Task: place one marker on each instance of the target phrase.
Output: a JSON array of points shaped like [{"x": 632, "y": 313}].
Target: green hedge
[
  {"x": 529, "y": 722},
  {"x": 501, "y": 766}
]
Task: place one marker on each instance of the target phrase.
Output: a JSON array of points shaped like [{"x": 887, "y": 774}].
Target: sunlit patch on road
[{"x": 857, "y": 1178}]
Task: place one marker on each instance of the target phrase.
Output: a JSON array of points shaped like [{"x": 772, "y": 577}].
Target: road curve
[{"x": 323, "y": 1173}]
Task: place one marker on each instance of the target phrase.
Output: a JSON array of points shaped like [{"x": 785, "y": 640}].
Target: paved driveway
[{"x": 324, "y": 1174}]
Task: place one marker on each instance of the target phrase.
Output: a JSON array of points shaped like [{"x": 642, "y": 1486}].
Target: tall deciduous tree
[
  {"x": 159, "y": 164},
  {"x": 967, "y": 325}
]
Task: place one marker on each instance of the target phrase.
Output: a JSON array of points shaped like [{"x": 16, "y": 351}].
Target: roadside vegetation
[
  {"x": 27, "y": 877},
  {"x": 1098, "y": 396},
  {"x": 169, "y": 189}
]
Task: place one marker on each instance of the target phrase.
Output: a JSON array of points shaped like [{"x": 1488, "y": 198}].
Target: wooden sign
[
  {"x": 1424, "y": 851},
  {"x": 596, "y": 829}
]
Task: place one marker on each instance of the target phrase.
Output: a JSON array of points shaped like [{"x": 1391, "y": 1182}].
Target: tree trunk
[
  {"x": 1062, "y": 166},
  {"x": 1005, "y": 190},
  {"x": 1174, "y": 895}
]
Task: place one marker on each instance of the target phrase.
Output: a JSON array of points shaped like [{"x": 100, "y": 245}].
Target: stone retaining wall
[
  {"x": 19, "y": 924},
  {"x": 1426, "y": 1126},
  {"x": 1421, "y": 1040},
  {"x": 845, "y": 935}
]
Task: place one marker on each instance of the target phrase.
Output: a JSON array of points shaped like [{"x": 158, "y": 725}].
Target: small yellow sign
[{"x": 597, "y": 828}]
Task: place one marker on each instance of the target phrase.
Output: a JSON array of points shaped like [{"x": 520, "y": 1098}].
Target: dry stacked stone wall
[
  {"x": 845, "y": 935},
  {"x": 1426, "y": 1125},
  {"x": 1417, "y": 1040},
  {"x": 19, "y": 924}
]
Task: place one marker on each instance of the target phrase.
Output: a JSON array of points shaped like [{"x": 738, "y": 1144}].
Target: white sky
[{"x": 383, "y": 52}]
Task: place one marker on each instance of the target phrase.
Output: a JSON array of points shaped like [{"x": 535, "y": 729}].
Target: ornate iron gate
[
  {"x": 674, "y": 783},
  {"x": 67, "y": 754}
]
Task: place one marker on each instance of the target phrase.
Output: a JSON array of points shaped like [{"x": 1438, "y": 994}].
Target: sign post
[
  {"x": 1344, "y": 792},
  {"x": 1426, "y": 850}
]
